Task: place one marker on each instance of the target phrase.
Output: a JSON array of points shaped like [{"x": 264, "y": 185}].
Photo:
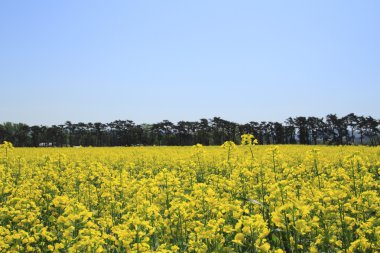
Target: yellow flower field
[{"x": 190, "y": 199}]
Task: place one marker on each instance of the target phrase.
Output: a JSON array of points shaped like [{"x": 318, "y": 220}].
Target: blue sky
[{"x": 184, "y": 60}]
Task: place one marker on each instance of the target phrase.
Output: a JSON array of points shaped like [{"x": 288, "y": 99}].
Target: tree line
[{"x": 331, "y": 130}]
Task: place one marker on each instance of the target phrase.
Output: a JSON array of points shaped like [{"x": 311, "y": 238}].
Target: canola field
[{"x": 190, "y": 199}]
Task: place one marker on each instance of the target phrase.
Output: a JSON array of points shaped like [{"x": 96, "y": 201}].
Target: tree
[
  {"x": 303, "y": 132},
  {"x": 9, "y": 132},
  {"x": 70, "y": 129},
  {"x": 215, "y": 131},
  {"x": 337, "y": 128},
  {"x": 36, "y": 135},
  {"x": 21, "y": 135},
  {"x": 290, "y": 131},
  {"x": 163, "y": 132},
  {"x": 279, "y": 136},
  {"x": 351, "y": 120},
  {"x": 315, "y": 126},
  {"x": 371, "y": 130},
  {"x": 203, "y": 132},
  {"x": 218, "y": 128}
]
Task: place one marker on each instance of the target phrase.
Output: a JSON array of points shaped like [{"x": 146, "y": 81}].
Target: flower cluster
[{"x": 248, "y": 139}]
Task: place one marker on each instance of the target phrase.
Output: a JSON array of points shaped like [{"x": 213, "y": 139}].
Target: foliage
[{"x": 350, "y": 129}]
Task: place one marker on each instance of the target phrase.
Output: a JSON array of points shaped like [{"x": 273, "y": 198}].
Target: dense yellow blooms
[{"x": 243, "y": 198}]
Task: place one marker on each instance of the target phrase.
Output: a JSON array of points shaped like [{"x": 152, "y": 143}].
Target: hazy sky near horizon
[{"x": 147, "y": 61}]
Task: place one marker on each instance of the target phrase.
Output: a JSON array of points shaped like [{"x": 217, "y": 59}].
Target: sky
[{"x": 146, "y": 61}]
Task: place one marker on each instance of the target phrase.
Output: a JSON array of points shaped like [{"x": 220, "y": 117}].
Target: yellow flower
[
  {"x": 162, "y": 198},
  {"x": 239, "y": 238},
  {"x": 313, "y": 249},
  {"x": 265, "y": 247},
  {"x": 174, "y": 248}
]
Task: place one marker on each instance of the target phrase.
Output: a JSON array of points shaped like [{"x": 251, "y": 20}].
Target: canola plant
[{"x": 234, "y": 198}]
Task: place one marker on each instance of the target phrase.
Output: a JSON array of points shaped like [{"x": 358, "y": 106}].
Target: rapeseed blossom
[{"x": 190, "y": 199}]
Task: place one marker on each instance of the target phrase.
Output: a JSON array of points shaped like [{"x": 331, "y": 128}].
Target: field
[{"x": 190, "y": 199}]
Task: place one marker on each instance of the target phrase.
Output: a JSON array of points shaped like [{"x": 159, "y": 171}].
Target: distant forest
[{"x": 331, "y": 130}]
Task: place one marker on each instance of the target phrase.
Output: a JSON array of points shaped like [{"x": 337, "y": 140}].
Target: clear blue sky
[{"x": 184, "y": 60}]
